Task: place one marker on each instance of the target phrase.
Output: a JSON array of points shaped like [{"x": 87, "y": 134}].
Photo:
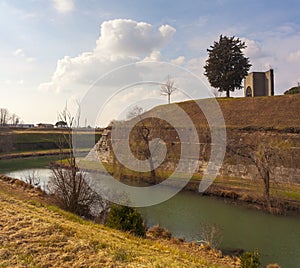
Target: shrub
[
  {"x": 293, "y": 90},
  {"x": 126, "y": 219},
  {"x": 275, "y": 265},
  {"x": 211, "y": 234},
  {"x": 250, "y": 259},
  {"x": 159, "y": 232}
]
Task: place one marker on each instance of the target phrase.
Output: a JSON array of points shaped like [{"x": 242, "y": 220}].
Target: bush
[
  {"x": 126, "y": 219},
  {"x": 211, "y": 234},
  {"x": 275, "y": 265},
  {"x": 250, "y": 259},
  {"x": 159, "y": 232},
  {"x": 293, "y": 90}
]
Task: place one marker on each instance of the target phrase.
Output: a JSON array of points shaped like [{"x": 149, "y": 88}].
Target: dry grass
[
  {"x": 278, "y": 112},
  {"x": 39, "y": 153},
  {"x": 36, "y": 234}
]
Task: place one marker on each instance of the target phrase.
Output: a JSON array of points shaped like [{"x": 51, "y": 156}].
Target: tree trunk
[
  {"x": 227, "y": 93},
  {"x": 267, "y": 185},
  {"x": 169, "y": 98},
  {"x": 152, "y": 170}
]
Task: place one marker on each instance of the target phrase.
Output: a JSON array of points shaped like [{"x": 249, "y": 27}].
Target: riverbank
[
  {"x": 284, "y": 199},
  {"x": 250, "y": 195},
  {"x": 19, "y": 141},
  {"x": 35, "y": 232},
  {"x": 39, "y": 153},
  {"x": 239, "y": 192}
]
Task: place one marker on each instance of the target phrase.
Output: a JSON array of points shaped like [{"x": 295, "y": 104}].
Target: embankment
[{"x": 33, "y": 233}]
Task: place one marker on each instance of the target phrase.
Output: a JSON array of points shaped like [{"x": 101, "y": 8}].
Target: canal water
[{"x": 277, "y": 238}]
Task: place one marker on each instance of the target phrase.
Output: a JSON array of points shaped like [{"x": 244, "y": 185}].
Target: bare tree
[
  {"x": 14, "y": 119},
  {"x": 210, "y": 234},
  {"x": 4, "y": 116},
  {"x": 68, "y": 184},
  {"x": 134, "y": 112},
  {"x": 32, "y": 178},
  {"x": 168, "y": 88},
  {"x": 265, "y": 155},
  {"x": 72, "y": 191},
  {"x": 144, "y": 133}
]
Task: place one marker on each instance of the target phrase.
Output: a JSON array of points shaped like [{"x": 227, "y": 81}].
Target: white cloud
[
  {"x": 154, "y": 56},
  {"x": 253, "y": 49},
  {"x": 121, "y": 42},
  {"x": 63, "y": 6},
  {"x": 294, "y": 56},
  {"x": 178, "y": 61},
  {"x": 19, "y": 52},
  {"x": 131, "y": 38}
]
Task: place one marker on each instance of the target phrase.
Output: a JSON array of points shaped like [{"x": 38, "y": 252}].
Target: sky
[{"x": 60, "y": 52}]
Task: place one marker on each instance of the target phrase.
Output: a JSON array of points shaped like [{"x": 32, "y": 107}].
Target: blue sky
[{"x": 52, "y": 51}]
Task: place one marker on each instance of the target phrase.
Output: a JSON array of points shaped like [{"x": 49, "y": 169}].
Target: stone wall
[
  {"x": 250, "y": 172},
  {"x": 289, "y": 173}
]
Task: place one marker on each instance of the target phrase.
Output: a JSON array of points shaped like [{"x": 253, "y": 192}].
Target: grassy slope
[
  {"x": 34, "y": 234},
  {"x": 43, "y": 141},
  {"x": 261, "y": 112},
  {"x": 277, "y": 112}
]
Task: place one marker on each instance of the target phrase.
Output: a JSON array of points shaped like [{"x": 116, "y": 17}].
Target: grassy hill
[
  {"x": 34, "y": 233},
  {"x": 278, "y": 112},
  {"x": 46, "y": 141}
]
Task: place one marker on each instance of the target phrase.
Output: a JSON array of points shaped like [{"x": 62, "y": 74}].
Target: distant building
[
  {"x": 259, "y": 84},
  {"x": 42, "y": 125}
]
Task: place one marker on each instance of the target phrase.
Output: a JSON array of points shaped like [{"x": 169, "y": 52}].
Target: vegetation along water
[{"x": 276, "y": 237}]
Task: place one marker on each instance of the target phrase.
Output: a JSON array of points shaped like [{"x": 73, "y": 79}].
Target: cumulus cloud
[
  {"x": 253, "y": 49},
  {"x": 121, "y": 42},
  {"x": 131, "y": 38},
  {"x": 63, "y": 6}
]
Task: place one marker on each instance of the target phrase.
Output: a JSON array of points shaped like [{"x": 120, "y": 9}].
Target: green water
[
  {"x": 277, "y": 238},
  {"x": 8, "y": 165}
]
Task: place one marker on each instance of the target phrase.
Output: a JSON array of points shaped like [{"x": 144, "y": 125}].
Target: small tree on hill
[
  {"x": 168, "y": 88},
  {"x": 226, "y": 65}
]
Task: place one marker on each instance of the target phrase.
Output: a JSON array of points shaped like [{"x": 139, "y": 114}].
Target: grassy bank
[
  {"x": 7, "y": 165},
  {"x": 284, "y": 197},
  {"x": 35, "y": 233},
  {"x": 19, "y": 141}
]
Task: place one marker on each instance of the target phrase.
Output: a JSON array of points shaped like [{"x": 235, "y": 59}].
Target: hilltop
[
  {"x": 36, "y": 233},
  {"x": 276, "y": 112}
]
